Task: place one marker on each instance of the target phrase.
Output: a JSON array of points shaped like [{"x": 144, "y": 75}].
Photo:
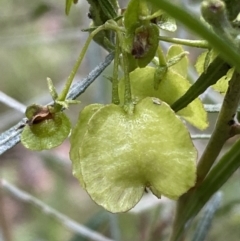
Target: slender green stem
[
  {"x": 111, "y": 24},
  {"x": 143, "y": 7},
  {"x": 222, "y": 129},
  {"x": 68, "y": 84},
  {"x": 207, "y": 217},
  {"x": 214, "y": 72},
  {"x": 221, "y": 133},
  {"x": 150, "y": 17},
  {"x": 174, "y": 60},
  {"x": 192, "y": 43},
  {"x": 108, "y": 25},
  {"x": 128, "y": 105},
  {"x": 226, "y": 48},
  {"x": 115, "y": 96},
  {"x": 161, "y": 57},
  {"x": 190, "y": 205}
]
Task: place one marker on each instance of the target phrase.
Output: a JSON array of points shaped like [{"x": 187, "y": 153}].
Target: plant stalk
[
  {"x": 128, "y": 105},
  {"x": 222, "y": 130},
  {"x": 115, "y": 95},
  {"x": 221, "y": 133},
  {"x": 191, "y": 43},
  {"x": 68, "y": 84}
]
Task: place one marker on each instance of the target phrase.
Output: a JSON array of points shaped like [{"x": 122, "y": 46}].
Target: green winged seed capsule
[
  {"x": 203, "y": 61},
  {"x": 181, "y": 67},
  {"x": 77, "y": 135},
  {"x": 121, "y": 154},
  {"x": 145, "y": 44},
  {"x": 172, "y": 86},
  {"x": 32, "y": 110},
  {"x": 222, "y": 84},
  {"x": 46, "y": 134}
]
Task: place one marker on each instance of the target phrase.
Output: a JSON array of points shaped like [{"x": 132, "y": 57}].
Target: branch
[
  {"x": 221, "y": 132},
  {"x": 200, "y": 136},
  {"x": 215, "y": 108},
  {"x": 59, "y": 217},
  {"x": 207, "y": 216},
  {"x": 226, "y": 48},
  {"x": 187, "y": 42},
  {"x": 191, "y": 202},
  {"x": 7, "y": 100},
  {"x": 11, "y": 137},
  {"x": 5, "y": 228}
]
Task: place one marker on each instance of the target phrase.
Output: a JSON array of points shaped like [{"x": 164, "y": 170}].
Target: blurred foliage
[{"x": 39, "y": 41}]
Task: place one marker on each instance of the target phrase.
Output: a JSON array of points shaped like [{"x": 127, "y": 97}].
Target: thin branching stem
[
  {"x": 207, "y": 216},
  {"x": 191, "y": 43},
  {"x": 226, "y": 48},
  {"x": 11, "y": 137},
  {"x": 115, "y": 95},
  {"x": 9, "y": 101},
  {"x": 4, "y": 225},
  {"x": 127, "y": 93},
  {"x": 68, "y": 84},
  {"x": 222, "y": 129},
  {"x": 214, "y": 108},
  {"x": 221, "y": 133},
  {"x": 161, "y": 57},
  {"x": 59, "y": 217}
]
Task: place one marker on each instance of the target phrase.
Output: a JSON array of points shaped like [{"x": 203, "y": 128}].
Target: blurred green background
[{"x": 37, "y": 40}]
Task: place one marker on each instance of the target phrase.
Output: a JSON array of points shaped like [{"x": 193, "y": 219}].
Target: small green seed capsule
[
  {"x": 121, "y": 154},
  {"x": 214, "y": 12},
  {"x": 145, "y": 44},
  {"x": 46, "y": 132}
]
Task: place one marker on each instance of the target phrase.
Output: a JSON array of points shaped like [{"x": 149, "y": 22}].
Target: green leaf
[
  {"x": 222, "y": 85},
  {"x": 109, "y": 8},
  {"x": 77, "y": 135},
  {"x": 122, "y": 153},
  {"x": 131, "y": 16},
  {"x": 68, "y": 6},
  {"x": 171, "y": 87},
  {"x": 219, "y": 175},
  {"x": 215, "y": 71},
  {"x": 203, "y": 61},
  {"x": 46, "y": 134},
  {"x": 226, "y": 48},
  {"x": 101, "y": 11}
]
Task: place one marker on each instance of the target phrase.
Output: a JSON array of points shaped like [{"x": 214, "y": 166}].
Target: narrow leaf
[
  {"x": 171, "y": 87},
  {"x": 226, "y": 48},
  {"x": 220, "y": 173},
  {"x": 215, "y": 71},
  {"x": 207, "y": 215},
  {"x": 68, "y": 6}
]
